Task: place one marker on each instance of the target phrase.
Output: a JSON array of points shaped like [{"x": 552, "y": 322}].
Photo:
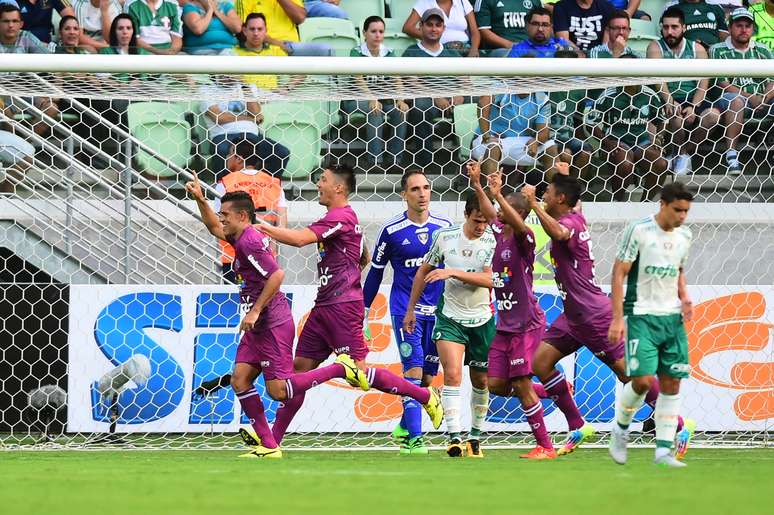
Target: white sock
[
  {"x": 627, "y": 405},
  {"x": 479, "y": 405},
  {"x": 452, "y": 403},
  {"x": 666, "y": 413}
]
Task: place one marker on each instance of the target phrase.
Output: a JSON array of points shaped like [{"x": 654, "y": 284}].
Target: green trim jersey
[
  {"x": 681, "y": 91},
  {"x": 764, "y": 25},
  {"x": 624, "y": 116},
  {"x": 657, "y": 256},
  {"x": 726, "y": 50},
  {"x": 157, "y": 28},
  {"x": 603, "y": 51},
  {"x": 703, "y": 21},
  {"x": 506, "y": 18},
  {"x": 464, "y": 303}
]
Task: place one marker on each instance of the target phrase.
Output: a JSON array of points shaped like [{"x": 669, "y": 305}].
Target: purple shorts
[
  {"x": 271, "y": 350},
  {"x": 336, "y": 328},
  {"x": 568, "y": 339},
  {"x": 510, "y": 354}
]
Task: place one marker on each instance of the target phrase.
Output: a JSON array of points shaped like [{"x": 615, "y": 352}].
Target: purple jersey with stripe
[
  {"x": 584, "y": 301},
  {"x": 254, "y": 263},
  {"x": 339, "y": 246},
  {"x": 514, "y": 259}
]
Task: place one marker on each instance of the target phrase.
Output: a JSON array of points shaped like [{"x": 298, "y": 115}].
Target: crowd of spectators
[{"x": 645, "y": 133}]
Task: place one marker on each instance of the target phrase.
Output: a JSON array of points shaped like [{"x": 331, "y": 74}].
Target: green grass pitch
[{"x": 717, "y": 481}]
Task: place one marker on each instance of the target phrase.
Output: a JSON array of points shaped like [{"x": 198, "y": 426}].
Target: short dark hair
[
  {"x": 673, "y": 12},
  {"x": 568, "y": 186},
  {"x": 518, "y": 201},
  {"x": 675, "y": 191},
  {"x": 9, "y": 8},
  {"x": 253, "y": 16},
  {"x": 619, "y": 14},
  {"x": 471, "y": 203},
  {"x": 408, "y": 174},
  {"x": 246, "y": 150},
  {"x": 65, "y": 19},
  {"x": 241, "y": 201},
  {"x": 345, "y": 173},
  {"x": 372, "y": 19},
  {"x": 537, "y": 11}
]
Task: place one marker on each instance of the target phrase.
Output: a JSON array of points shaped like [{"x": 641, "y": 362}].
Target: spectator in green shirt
[
  {"x": 378, "y": 111},
  {"x": 158, "y": 23},
  {"x": 626, "y": 122},
  {"x": 705, "y": 23},
  {"x": 742, "y": 96},
  {"x": 764, "y": 22},
  {"x": 425, "y": 110}
]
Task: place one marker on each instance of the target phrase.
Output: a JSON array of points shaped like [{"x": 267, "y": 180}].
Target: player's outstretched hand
[
  {"x": 409, "y": 322},
  {"x": 194, "y": 188},
  {"x": 495, "y": 182},
  {"x": 474, "y": 172},
  {"x": 529, "y": 193},
  {"x": 616, "y": 332}
]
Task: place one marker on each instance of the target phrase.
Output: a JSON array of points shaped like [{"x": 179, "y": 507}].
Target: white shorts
[{"x": 514, "y": 150}]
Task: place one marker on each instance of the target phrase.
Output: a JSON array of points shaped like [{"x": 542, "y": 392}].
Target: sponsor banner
[{"x": 189, "y": 335}]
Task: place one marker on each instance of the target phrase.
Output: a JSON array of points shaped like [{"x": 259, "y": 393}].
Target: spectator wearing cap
[
  {"x": 742, "y": 96},
  {"x": 37, "y": 15},
  {"x": 540, "y": 40},
  {"x": 283, "y": 18},
  {"x": 460, "y": 27},
  {"x": 425, "y": 110}
]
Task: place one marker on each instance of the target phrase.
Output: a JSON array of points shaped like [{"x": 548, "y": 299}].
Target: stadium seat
[
  {"x": 465, "y": 124},
  {"x": 643, "y": 32},
  {"x": 297, "y": 125},
  {"x": 161, "y": 127},
  {"x": 398, "y": 42},
  {"x": 359, "y": 10},
  {"x": 340, "y": 35},
  {"x": 400, "y": 9},
  {"x": 654, "y": 8}
]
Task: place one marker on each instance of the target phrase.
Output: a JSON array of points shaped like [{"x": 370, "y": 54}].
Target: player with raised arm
[
  {"x": 651, "y": 259},
  {"x": 587, "y": 310},
  {"x": 268, "y": 330},
  {"x": 520, "y": 321},
  {"x": 464, "y": 325},
  {"x": 335, "y": 323},
  {"x": 403, "y": 242}
]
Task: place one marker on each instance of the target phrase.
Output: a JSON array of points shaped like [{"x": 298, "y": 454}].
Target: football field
[{"x": 717, "y": 481}]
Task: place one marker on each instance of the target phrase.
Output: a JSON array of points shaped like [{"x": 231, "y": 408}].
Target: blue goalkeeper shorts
[{"x": 417, "y": 350}]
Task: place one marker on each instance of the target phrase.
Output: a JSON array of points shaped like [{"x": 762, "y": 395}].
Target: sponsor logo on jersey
[
  {"x": 380, "y": 251},
  {"x": 413, "y": 262},
  {"x": 506, "y": 303},
  {"x": 517, "y": 361},
  {"x": 479, "y": 364},
  {"x": 333, "y": 230},
  {"x": 257, "y": 265},
  {"x": 265, "y": 363},
  {"x": 341, "y": 350},
  {"x": 405, "y": 242},
  {"x": 662, "y": 271}
]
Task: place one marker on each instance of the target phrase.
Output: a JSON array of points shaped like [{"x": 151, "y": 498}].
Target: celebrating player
[
  {"x": 587, "y": 311},
  {"x": 464, "y": 325},
  {"x": 651, "y": 258},
  {"x": 267, "y": 342},
  {"x": 336, "y": 321},
  {"x": 520, "y": 322},
  {"x": 403, "y": 242}
]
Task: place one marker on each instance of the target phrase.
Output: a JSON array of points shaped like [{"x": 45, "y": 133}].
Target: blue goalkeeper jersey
[{"x": 403, "y": 244}]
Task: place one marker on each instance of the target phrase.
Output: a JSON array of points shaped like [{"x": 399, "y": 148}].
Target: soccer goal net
[{"x": 119, "y": 326}]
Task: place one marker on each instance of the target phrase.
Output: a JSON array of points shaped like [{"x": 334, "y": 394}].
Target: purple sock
[
  {"x": 300, "y": 383},
  {"x": 540, "y": 390},
  {"x": 285, "y": 415},
  {"x": 253, "y": 407},
  {"x": 652, "y": 396},
  {"x": 535, "y": 419},
  {"x": 556, "y": 387},
  {"x": 387, "y": 382}
]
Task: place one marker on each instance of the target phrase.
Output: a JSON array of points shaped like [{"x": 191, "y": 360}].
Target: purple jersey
[
  {"x": 254, "y": 263},
  {"x": 339, "y": 246},
  {"x": 573, "y": 263},
  {"x": 514, "y": 258}
]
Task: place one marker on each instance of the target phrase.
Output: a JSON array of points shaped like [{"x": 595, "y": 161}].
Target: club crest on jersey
[
  {"x": 506, "y": 254},
  {"x": 467, "y": 252},
  {"x": 321, "y": 250},
  {"x": 667, "y": 245},
  {"x": 423, "y": 237}
]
